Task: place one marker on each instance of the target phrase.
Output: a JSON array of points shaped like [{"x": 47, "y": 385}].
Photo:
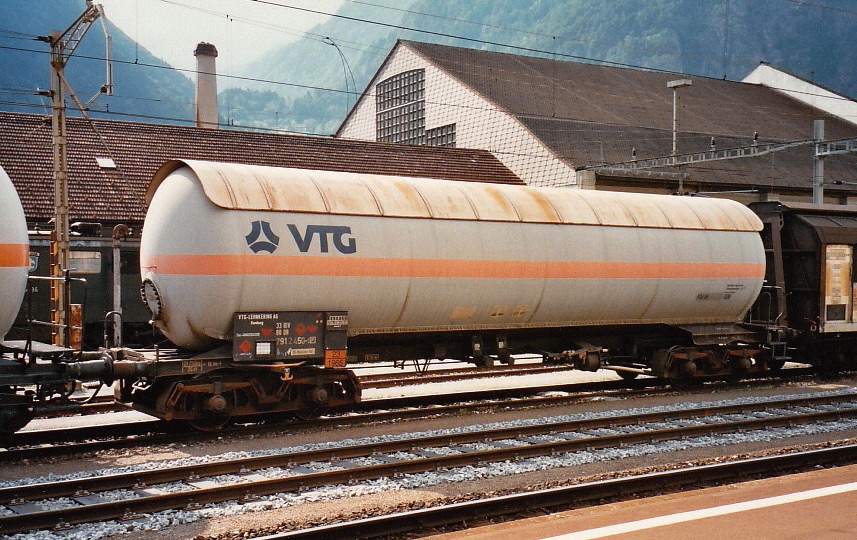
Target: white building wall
[
  {"x": 479, "y": 123},
  {"x": 804, "y": 91}
]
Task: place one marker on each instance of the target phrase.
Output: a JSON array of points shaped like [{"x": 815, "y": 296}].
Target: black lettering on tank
[{"x": 343, "y": 245}]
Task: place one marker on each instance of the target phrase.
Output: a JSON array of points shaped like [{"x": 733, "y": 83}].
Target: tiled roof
[
  {"x": 591, "y": 114},
  {"x": 138, "y": 149}
]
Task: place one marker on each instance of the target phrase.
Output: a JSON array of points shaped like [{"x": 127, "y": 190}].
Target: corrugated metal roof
[
  {"x": 138, "y": 149},
  {"x": 594, "y": 114},
  {"x": 832, "y": 229},
  {"x": 248, "y": 187}
]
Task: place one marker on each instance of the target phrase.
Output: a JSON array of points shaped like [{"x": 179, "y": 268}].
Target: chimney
[{"x": 206, "y": 85}]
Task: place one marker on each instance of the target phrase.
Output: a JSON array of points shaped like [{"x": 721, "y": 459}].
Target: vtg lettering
[{"x": 342, "y": 244}]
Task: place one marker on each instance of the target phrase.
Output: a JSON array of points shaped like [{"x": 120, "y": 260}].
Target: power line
[
  {"x": 323, "y": 40},
  {"x": 336, "y": 90},
  {"x": 464, "y": 38},
  {"x": 648, "y": 132},
  {"x": 308, "y": 87},
  {"x": 183, "y": 70},
  {"x": 363, "y": 47},
  {"x": 291, "y": 132},
  {"x": 453, "y": 36},
  {"x": 153, "y": 117},
  {"x": 16, "y": 33},
  {"x": 173, "y": 119},
  {"x": 311, "y": 87},
  {"x": 820, "y": 6},
  {"x": 551, "y": 36}
]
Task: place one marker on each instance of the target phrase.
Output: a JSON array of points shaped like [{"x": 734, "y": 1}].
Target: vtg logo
[
  {"x": 324, "y": 232},
  {"x": 262, "y": 238},
  {"x": 257, "y": 229}
]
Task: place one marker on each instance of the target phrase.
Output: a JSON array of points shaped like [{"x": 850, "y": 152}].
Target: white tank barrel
[
  {"x": 14, "y": 253},
  {"x": 417, "y": 254}
]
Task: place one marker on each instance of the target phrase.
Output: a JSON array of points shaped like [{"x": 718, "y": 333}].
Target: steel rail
[
  {"x": 100, "y": 405},
  {"x": 547, "y": 499},
  {"x": 267, "y": 486},
  {"x": 54, "y": 442},
  {"x": 452, "y": 401},
  {"x": 387, "y": 380},
  {"x": 243, "y": 465}
]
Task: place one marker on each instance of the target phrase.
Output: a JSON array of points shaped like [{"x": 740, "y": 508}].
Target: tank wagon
[
  {"x": 14, "y": 253},
  {"x": 30, "y": 371},
  {"x": 14, "y": 262},
  {"x": 297, "y": 269}
]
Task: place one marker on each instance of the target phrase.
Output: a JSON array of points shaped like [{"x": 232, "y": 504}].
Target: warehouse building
[{"x": 556, "y": 122}]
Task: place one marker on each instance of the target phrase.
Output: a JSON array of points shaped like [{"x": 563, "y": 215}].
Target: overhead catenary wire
[
  {"x": 327, "y": 89},
  {"x": 465, "y": 38},
  {"x": 378, "y": 51},
  {"x": 538, "y": 162},
  {"x": 347, "y": 91},
  {"x": 346, "y": 44},
  {"x": 544, "y": 35},
  {"x": 821, "y": 6},
  {"x": 173, "y": 119}
]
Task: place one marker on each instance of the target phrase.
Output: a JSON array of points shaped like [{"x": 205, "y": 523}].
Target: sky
[{"x": 241, "y": 30}]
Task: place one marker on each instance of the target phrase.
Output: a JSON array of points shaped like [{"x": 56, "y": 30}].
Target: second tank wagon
[{"x": 14, "y": 253}]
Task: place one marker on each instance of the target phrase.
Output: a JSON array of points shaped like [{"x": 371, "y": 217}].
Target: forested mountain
[
  {"x": 146, "y": 93},
  {"x": 315, "y": 85},
  {"x": 714, "y": 38}
]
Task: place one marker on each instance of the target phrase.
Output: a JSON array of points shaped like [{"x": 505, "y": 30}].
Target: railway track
[
  {"x": 70, "y": 441},
  {"x": 99, "y": 405},
  {"x": 124, "y": 496},
  {"x": 460, "y": 514},
  {"x": 387, "y": 380}
]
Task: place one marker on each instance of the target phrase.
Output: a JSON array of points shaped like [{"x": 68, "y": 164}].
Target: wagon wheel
[
  {"x": 628, "y": 375},
  {"x": 310, "y": 413},
  {"x": 311, "y": 409},
  {"x": 210, "y": 422},
  {"x": 830, "y": 364},
  {"x": 775, "y": 366},
  {"x": 13, "y": 418}
]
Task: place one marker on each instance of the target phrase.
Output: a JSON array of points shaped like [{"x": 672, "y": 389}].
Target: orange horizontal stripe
[
  {"x": 276, "y": 265},
  {"x": 13, "y": 255}
]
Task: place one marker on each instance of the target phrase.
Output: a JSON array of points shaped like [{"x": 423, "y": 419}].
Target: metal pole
[
  {"x": 60, "y": 247},
  {"x": 63, "y": 45},
  {"x": 818, "y": 163},
  {"x": 675, "y": 127},
  {"x": 675, "y": 85},
  {"x": 120, "y": 232}
]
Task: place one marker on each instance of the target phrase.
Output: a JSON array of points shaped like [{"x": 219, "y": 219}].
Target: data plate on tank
[{"x": 287, "y": 335}]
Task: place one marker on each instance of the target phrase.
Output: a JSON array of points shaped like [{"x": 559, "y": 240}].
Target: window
[
  {"x": 441, "y": 136},
  {"x": 404, "y": 124},
  {"x": 401, "y": 108},
  {"x": 401, "y": 89},
  {"x": 401, "y": 112}
]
